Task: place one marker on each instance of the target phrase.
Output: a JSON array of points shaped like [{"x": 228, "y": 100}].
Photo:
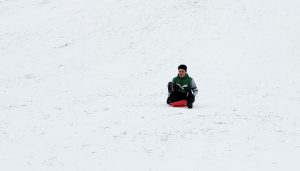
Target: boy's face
[{"x": 181, "y": 73}]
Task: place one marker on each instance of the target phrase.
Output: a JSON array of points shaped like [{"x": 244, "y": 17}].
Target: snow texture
[{"x": 83, "y": 85}]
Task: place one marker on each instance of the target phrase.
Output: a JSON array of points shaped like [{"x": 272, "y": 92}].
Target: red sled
[{"x": 180, "y": 103}]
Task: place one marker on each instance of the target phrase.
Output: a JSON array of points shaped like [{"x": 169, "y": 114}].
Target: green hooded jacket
[{"x": 185, "y": 84}]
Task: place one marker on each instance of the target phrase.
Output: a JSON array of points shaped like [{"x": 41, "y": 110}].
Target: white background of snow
[{"x": 83, "y": 85}]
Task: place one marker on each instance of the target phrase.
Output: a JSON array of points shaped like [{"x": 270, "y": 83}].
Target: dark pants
[{"x": 175, "y": 95}]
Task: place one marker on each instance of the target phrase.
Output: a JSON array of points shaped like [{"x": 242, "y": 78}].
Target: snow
[{"x": 83, "y": 85}]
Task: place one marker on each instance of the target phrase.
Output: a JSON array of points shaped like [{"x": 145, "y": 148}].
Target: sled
[{"x": 180, "y": 103}]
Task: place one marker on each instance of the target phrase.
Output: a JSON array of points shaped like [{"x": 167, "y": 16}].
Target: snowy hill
[{"x": 83, "y": 85}]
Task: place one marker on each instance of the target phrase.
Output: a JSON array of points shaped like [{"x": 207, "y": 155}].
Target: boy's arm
[{"x": 194, "y": 87}]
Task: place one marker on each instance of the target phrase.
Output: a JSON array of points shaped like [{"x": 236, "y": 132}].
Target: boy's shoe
[
  {"x": 190, "y": 105},
  {"x": 169, "y": 100}
]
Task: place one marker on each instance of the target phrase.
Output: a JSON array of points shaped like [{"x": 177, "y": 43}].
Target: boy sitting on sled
[{"x": 182, "y": 87}]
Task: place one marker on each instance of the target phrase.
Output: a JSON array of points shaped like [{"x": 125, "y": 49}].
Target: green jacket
[{"x": 185, "y": 84}]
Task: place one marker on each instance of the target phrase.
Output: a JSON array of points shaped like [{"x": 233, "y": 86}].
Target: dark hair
[{"x": 182, "y": 66}]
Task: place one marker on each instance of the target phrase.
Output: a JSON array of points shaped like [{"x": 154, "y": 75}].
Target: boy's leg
[
  {"x": 170, "y": 91},
  {"x": 170, "y": 87},
  {"x": 190, "y": 99},
  {"x": 174, "y": 95}
]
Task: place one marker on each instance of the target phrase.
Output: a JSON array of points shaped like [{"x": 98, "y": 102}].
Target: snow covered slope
[{"x": 83, "y": 85}]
